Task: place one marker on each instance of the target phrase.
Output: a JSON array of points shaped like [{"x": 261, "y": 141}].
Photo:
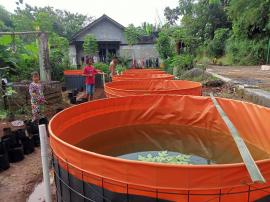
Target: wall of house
[
  {"x": 141, "y": 51},
  {"x": 72, "y": 55},
  {"x": 105, "y": 31}
]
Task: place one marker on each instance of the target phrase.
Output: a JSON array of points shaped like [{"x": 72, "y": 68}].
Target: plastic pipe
[
  {"x": 45, "y": 164},
  {"x": 103, "y": 78}
]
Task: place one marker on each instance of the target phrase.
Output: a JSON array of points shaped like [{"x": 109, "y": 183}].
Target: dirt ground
[
  {"x": 19, "y": 181},
  {"x": 250, "y": 75}
]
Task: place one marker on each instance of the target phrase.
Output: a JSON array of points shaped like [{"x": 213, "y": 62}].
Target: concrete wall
[
  {"x": 142, "y": 51},
  {"x": 105, "y": 31}
]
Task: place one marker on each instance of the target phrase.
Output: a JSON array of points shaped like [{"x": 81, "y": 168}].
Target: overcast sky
[{"x": 123, "y": 11}]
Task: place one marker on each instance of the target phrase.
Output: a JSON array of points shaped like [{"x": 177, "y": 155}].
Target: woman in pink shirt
[{"x": 89, "y": 72}]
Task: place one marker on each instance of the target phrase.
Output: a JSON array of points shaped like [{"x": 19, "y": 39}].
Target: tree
[
  {"x": 172, "y": 15},
  {"x": 250, "y": 32},
  {"x": 185, "y": 7},
  {"x": 59, "y": 58},
  {"x": 164, "y": 45},
  {"x": 132, "y": 34},
  {"x": 62, "y": 22},
  {"x": 90, "y": 45},
  {"x": 148, "y": 28},
  {"x": 216, "y": 47},
  {"x": 5, "y": 19}
]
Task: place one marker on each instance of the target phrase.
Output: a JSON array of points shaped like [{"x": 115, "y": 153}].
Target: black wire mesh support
[
  {"x": 248, "y": 193},
  {"x": 127, "y": 193},
  {"x": 156, "y": 191},
  {"x": 83, "y": 186},
  {"x": 68, "y": 179},
  {"x": 73, "y": 190},
  {"x": 102, "y": 184},
  {"x": 219, "y": 198}
]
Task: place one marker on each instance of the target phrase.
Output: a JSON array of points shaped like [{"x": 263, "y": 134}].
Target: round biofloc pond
[
  {"x": 146, "y": 87},
  {"x": 144, "y": 71},
  {"x": 99, "y": 148},
  {"x": 129, "y": 77}
]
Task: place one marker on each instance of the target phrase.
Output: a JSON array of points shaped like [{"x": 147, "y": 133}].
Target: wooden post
[{"x": 44, "y": 65}]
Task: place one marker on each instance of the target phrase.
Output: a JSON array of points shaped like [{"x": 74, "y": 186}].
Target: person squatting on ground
[
  {"x": 89, "y": 72},
  {"x": 37, "y": 97}
]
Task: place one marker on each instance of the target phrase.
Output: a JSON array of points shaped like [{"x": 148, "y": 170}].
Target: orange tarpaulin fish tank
[
  {"x": 145, "y": 87},
  {"x": 144, "y": 71},
  {"x": 128, "y": 77},
  {"x": 104, "y": 150}
]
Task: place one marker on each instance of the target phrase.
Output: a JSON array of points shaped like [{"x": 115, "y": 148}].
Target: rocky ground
[{"x": 248, "y": 75}]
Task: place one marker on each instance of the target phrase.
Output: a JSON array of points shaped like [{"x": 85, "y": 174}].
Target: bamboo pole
[
  {"x": 20, "y": 33},
  {"x": 252, "y": 168}
]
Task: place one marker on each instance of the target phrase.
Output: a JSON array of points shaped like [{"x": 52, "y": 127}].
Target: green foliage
[
  {"x": 246, "y": 52},
  {"x": 44, "y": 21},
  {"x": 3, "y": 114},
  {"x": 102, "y": 66},
  {"x": 235, "y": 31},
  {"x": 164, "y": 157},
  {"x": 120, "y": 69},
  {"x": 59, "y": 59},
  {"x": 61, "y": 22},
  {"x": 10, "y": 91},
  {"x": 251, "y": 22},
  {"x": 90, "y": 45},
  {"x": 124, "y": 60},
  {"x": 5, "y": 19},
  {"x": 179, "y": 63},
  {"x": 132, "y": 34},
  {"x": 250, "y": 31},
  {"x": 172, "y": 15},
  {"x": 216, "y": 47},
  {"x": 21, "y": 52},
  {"x": 183, "y": 61},
  {"x": 164, "y": 45}
]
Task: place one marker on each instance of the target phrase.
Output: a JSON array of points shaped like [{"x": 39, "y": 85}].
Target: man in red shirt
[{"x": 89, "y": 72}]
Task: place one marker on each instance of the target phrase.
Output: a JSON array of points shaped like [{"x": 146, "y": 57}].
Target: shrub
[
  {"x": 246, "y": 52},
  {"x": 181, "y": 62},
  {"x": 102, "y": 66},
  {"x": 216, "y": 47},
  {"x": 120, "y": 69},
  {"x": 90, "y": 45},
  {"x": 165, "y": 46}
]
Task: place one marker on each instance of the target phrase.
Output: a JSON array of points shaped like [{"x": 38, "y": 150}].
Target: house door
[{"x": 102, "y": 54}]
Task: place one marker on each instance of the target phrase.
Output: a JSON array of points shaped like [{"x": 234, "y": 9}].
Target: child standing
[
  {"x": 112, "y": 67},
  {"x": 89, "y": 72},
  {"x": 37, "y": 97}
]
